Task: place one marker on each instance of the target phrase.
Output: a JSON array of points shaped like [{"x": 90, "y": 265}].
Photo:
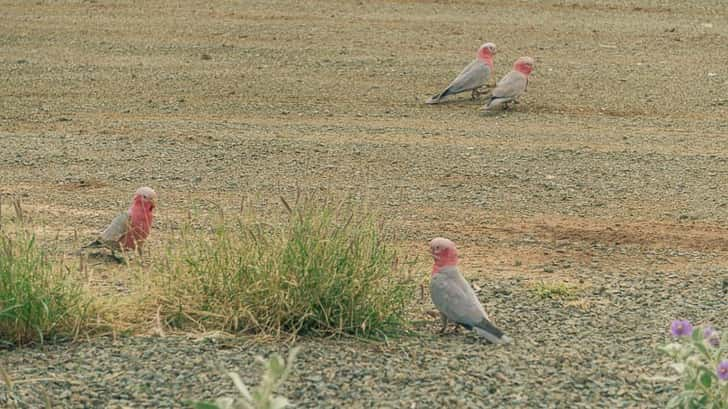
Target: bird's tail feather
[
  {"x": 489, "y": 331},
  {"x": 438, "y": 97},
  {"x": 494, "y": 101},
  {"x": 93, "y": 244},
  {"x": 488, "y": 103}
]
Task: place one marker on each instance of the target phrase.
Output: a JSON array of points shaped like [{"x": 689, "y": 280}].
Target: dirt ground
[{"x": 615, "y": 164}]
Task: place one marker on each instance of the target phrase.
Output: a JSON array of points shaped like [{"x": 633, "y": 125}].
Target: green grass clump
[
  {"x": 37, "y": 301},
  {"x": 325, "y": 270}
]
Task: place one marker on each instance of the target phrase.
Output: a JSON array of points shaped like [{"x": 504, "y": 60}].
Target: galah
[
  {"x": 454, "y": 297},
  {"x": 130, "y": 229},
  {"x": 512, "y": 85},
  {"x": 473, "y": 77}
]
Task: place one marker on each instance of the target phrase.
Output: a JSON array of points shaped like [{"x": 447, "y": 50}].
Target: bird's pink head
[
  {"x": 141, "y": 214},
  {"x": 524, "y": 65},
  {"x": 444, "y": 253},
  {"x": 486, "y": 52},
  {"x": 145, "y": 198}
]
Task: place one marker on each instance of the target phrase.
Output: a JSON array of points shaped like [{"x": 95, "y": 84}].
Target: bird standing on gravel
[
  {"x": 454, "y": 297},
  {"x": 129, "y": 229},
  {"x": 511, "y": 86},
  {"x": 473, "y": 77}
]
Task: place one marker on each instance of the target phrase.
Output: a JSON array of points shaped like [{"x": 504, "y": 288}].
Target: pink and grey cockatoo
[
  {"x": 130, "y": 229},
  {"x": 454, "y": 297},
  {"x": 510, "y": 87},
  {"x": 473, "y": 77}
]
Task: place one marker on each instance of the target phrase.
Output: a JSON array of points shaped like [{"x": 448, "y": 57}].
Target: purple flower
[
  {"x": 723, "y": 371},
  {"x": 681, "y": 328},
  {"x": 711, "y": 337}
]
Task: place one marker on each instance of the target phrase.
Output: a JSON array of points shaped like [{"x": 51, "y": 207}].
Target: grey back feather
[
  {"x": 511, "y": 86},
  {"x": 455, "y": 299},
  {"x": 116, "y": 230},
  {"x": 474, "y": 75}
]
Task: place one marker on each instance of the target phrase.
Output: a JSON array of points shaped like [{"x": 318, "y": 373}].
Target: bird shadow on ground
[
  {"x": 461, "y": 101},
  {"x": 107, "y": 258}
]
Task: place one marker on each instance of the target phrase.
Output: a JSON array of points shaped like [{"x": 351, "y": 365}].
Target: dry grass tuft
[{"x": 327, "y": 269}]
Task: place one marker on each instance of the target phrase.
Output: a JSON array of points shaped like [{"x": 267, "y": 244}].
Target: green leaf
[
  {"x": 277, "y": 365},
  {"x": 706, "y": 379},
  {"x": 227, "y": 402},
  {"x": 700, "y": 345},
  {"x": 671, "y": 349},
  {"x": 278, "y": 403},
  {"x": 240, "y": 385},
  {"x": 697, "y": 336}
]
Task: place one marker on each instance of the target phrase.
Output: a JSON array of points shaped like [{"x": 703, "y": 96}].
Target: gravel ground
[
  {"x": 609, "y": 176},
  {"x": 590, "y": 351}
]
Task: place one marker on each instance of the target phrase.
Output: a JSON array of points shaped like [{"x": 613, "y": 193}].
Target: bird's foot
[
  {"x": 444, "y": 322},
  {"x": 476, "y": 93}
]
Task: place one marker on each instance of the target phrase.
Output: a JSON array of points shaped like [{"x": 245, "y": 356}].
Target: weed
[{"x": 262, "y": 397}]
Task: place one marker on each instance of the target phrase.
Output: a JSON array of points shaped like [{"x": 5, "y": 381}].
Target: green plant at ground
[
  {"x": 327, "y": 269},
  {"x": 701, "y": 364},
  {"x": 37, "y": 300},
  {"x": 554, "y": 290},
  {"x": 276, "y": 370}
]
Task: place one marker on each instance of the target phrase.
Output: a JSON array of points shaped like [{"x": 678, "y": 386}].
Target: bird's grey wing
[
  {"x": 117, "y": 229},
  {"x": 474, "y": 75},
  {"x": 454, "y": 297},
  {"x": 510, "y": 86}
]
